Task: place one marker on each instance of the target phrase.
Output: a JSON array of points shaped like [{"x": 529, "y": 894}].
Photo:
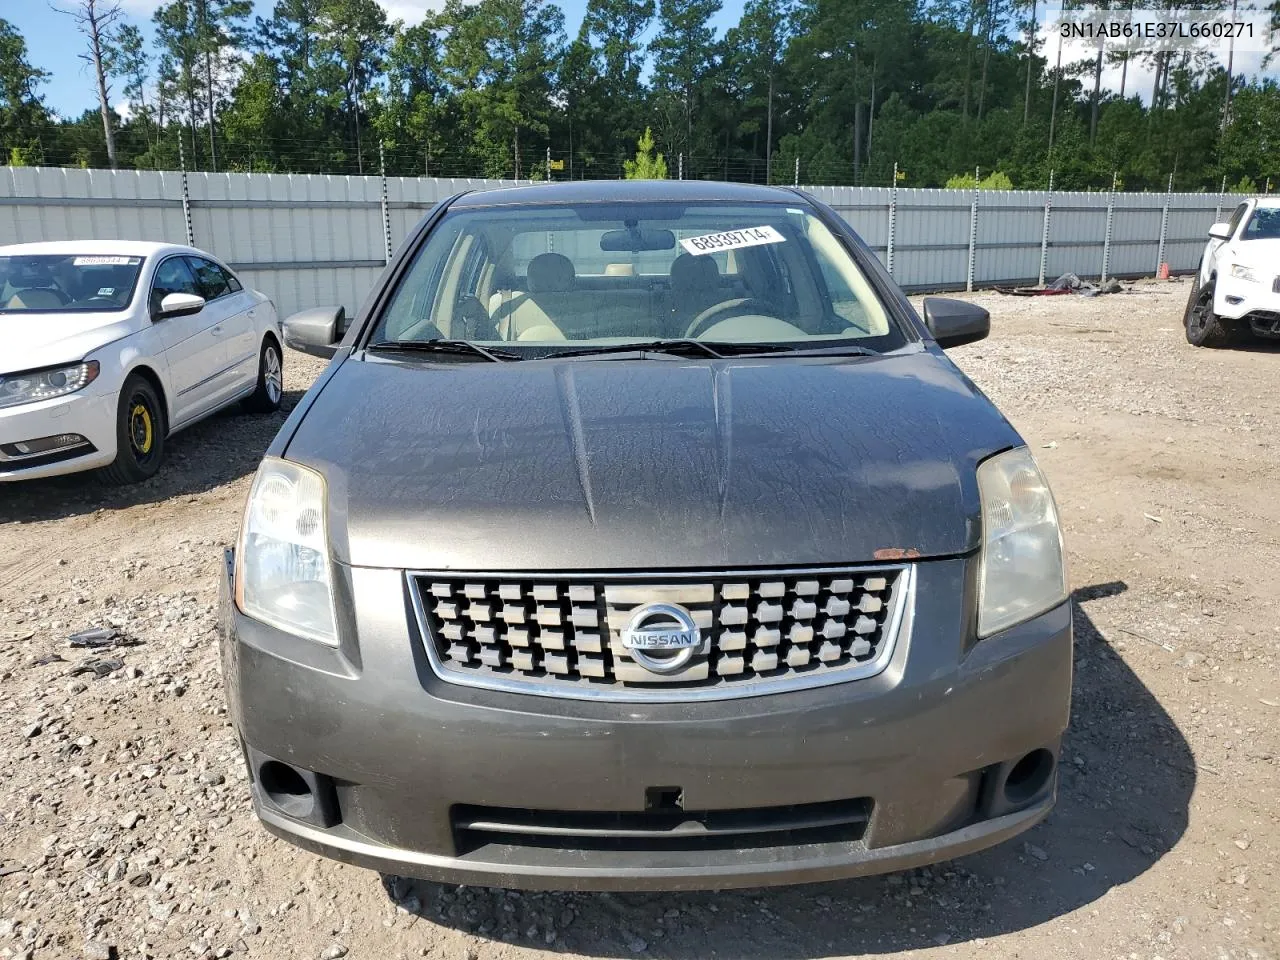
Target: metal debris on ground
[
  {"x": 100, "y": 638},
  {"x": 98, "y": 667},
  {"x": 1067, "y": 283},
  {"x": 47, "y": 659}
]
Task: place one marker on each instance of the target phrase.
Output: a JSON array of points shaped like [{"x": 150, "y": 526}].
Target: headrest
[
  {"x": 694, "y": 273},
  {"x": 550, "y": 273}
]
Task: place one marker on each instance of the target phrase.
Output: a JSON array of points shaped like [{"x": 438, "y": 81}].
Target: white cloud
[
  {"x": 410, "y": 11},
  {"x": 141, "y": 8}
]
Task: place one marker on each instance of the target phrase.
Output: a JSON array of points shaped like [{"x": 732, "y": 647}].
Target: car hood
[
  {"x": 1260, "y": 253},
  {"x": 648, "y": 464},
  {"x": 34, "y": 340}
]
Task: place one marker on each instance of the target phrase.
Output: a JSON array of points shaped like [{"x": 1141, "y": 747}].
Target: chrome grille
[{"x": 561, "y": 635}]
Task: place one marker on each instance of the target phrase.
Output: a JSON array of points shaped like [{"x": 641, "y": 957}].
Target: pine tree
[
  {"x": 683, "y": 54},
  {"x": 95, "y": 19},
  {"x": 646, "y": 166}
]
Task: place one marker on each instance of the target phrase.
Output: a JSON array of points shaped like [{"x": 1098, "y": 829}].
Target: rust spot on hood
[{"x": 897, "y": 553}]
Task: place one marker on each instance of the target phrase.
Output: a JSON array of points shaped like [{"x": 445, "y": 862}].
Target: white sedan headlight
[
  {"x": 1022, "y": 571},
  {"x": 18, "y": 388},
  {"x": 1242, "y": 272},
  {"x": 283, "y": 574}
]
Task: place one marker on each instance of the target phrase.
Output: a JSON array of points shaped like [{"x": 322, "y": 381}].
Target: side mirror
[
  {"x": 317, "y": 331},
  {"x": 954, "y": 323},
  {"x": 179, "y": 305},
  {"x": 1220, "y": 231}
]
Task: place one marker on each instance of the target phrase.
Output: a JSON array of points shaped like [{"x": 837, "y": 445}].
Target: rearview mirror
[
  {"x": 954, "y": 323},
  {"x": 636, "y": 239},
  {"x": 1220, "y": 231},
  {"x": 179, "y": 305},
  {"x": 317, "y": 331}
]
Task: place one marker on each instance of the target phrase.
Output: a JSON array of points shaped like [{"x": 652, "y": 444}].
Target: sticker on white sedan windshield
[
  {"x": 101, "y": 261},
  {"x": 106, "y": 291},
  {"x": 732, "y": 240}
]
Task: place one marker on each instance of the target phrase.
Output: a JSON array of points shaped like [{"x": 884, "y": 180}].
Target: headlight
[
  {"x": 17, "y": 388},
  {"x": 1022, "y": 572},
  {"x": 1241, "y": 272},
  {"x": 282, "y": 567}
]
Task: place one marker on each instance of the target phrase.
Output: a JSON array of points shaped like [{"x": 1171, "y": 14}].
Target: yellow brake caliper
[{"x": 141, "y": 431}]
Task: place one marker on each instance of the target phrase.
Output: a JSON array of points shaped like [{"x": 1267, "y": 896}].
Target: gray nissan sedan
[{"x": 641, "y": 536}]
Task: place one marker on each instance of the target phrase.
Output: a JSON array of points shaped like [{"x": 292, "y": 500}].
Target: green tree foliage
[
  {"x": 23, "y": 119},
  {"x": 500, "y": 55},
  {"x": 646, "y": 166},
  {"x": 992, "y": 181},
  {"x": 683, "y": 56},
  {"x": 837, "y": 90}
]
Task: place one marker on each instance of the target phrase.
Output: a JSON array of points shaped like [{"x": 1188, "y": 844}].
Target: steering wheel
[
  {"x": 713, "y": 314},
  {"x": 470, "y": 314},
  {"x": 109, "y": 300}
]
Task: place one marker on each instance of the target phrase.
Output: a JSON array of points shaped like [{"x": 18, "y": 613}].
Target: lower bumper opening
[
  {"x": 43, "y": 451},
  {"x": 843, "y": 821},
  {"x": 1264, "y": 323}
]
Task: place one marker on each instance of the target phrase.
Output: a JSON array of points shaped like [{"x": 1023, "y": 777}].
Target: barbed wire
[{"x": 341, "y": 158}]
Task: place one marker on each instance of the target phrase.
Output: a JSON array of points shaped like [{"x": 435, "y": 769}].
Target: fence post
[
  {"x": 386, "y": 213},
  {"x": 186, "y": 195},
  {"x": 893, "y": 220},
  {"x": 796, "y": 181},
  {"x": 973, "y": 240},
  {"x": 1222, "y": 195},
  {"x": 1044, "y": 232},
  {"x": 1164, "y": 225},
  {"x": 680, "y": 168},
  {"x": 1106, "y": 239}
]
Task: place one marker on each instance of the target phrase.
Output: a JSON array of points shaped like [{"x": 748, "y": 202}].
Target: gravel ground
[{"x": 125, "y": 828}]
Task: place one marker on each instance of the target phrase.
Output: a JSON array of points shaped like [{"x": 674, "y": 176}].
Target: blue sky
[{"x": 53, "y": 45}]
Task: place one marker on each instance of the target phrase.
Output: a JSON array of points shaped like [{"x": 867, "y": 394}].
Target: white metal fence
[{"x": 308, "y": 240}]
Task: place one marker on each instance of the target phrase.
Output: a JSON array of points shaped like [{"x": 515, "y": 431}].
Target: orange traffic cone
[{"x": 1164, "y": 272}]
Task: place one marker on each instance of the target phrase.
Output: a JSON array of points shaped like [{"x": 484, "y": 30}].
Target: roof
[
  {"x": 620, "y": 191},
  {"x": 1270, "y": 203},
  {"x": 136, "y": 248}
]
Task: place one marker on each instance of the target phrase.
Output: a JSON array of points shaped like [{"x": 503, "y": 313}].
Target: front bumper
[
  {"x": 924, "y": 749},
  {"x": 91, "y": 415},
  {"x": 1257, "y": 304}
]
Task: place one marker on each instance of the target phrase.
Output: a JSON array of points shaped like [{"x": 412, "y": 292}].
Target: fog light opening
[
  {"x": 286, "y": 788},
  {"x": 1029, "y": 776}
]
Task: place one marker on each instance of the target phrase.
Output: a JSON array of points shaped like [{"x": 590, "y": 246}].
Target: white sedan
[
  {"x": 1237, "y": 289},
  {"x": 110, "y": 347}
]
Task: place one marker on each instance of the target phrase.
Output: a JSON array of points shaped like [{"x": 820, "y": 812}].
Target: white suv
[{"x": 1237, "y": 290}]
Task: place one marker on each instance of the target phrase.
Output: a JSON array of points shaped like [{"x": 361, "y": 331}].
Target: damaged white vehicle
[
  {"x": 1237, "y": 289},
  {"x": 111, "y": 346}
]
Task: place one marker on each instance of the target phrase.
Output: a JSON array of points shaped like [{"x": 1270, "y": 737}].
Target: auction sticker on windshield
[
  {"x": 732, "y": 240},
  {"x": 100, "y": 261}
]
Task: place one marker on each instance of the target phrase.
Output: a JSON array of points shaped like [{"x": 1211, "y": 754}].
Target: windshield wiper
[
  {"x": 679, "y": 346},
  {"x": 460, "y": 347}
]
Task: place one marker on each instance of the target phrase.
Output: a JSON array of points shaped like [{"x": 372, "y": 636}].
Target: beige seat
[
  {"x": 695, "y": 286},
  {"x": 556, "y": 303},
  {"x": 35, "y": 298},
  {"x": 550, "y": 279}
]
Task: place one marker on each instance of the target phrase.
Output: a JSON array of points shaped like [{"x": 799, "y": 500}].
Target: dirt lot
[{"x": 124, "y": 824}]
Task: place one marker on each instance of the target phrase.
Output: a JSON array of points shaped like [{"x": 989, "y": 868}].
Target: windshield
[
  {"x": 65, "y": 282},
  {"x": 543, "y": 279},
  {"x": 1263, "y": 225}
]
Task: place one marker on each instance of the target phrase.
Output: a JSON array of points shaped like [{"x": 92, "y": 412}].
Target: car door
[
  {"x": 225, "y": 295},
  {"x": 194, "y": 350}
]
